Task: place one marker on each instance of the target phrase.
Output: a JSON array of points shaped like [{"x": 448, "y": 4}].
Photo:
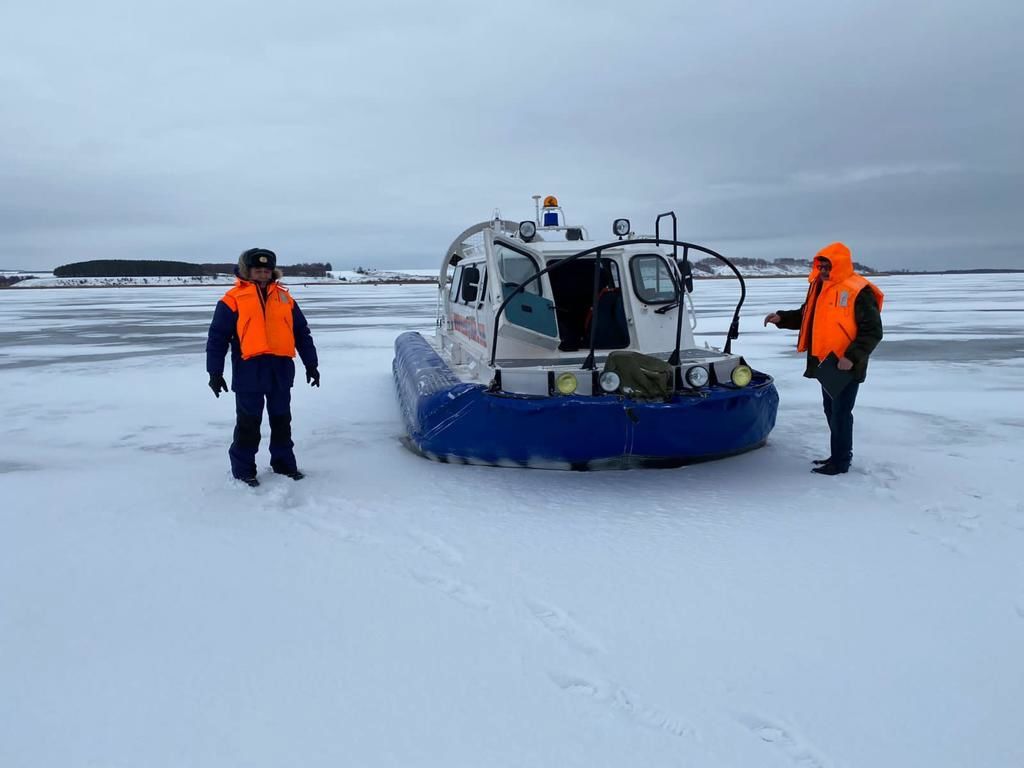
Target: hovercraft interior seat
[{"x": 573, "y": 289}]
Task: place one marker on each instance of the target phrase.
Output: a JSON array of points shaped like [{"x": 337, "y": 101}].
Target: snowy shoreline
[
  {"x": 67, "y": 283},
  {"x": 340, "y": 277},
  {"x": 350, "y": 278}
]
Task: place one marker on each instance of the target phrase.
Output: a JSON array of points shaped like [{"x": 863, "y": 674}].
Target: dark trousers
[
  {"x": 249, "y": 413},
  {"x": 839, "y": 414}
]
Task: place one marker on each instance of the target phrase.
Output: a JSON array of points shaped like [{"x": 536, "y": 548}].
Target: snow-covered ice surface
[{"x": 390, "y": 611}]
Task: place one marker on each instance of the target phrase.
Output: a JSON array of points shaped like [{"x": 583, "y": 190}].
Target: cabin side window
[
  {"x": 514, "y": 268},
  {"x": 653, "y": 281},
  {"x": 453, "y": 287},
  {"x": 470, "y": 289}
]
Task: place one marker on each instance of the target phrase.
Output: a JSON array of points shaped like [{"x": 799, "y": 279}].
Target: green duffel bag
[{"x": 642, "y": 377}]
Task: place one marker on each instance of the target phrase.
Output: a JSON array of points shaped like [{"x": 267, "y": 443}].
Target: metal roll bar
[{"x": 588, "y": 363}]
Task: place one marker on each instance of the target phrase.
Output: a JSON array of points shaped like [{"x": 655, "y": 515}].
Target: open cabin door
[{"x": 530, "y": 316}]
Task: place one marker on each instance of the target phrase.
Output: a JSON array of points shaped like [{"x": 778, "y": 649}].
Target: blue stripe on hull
[{"x": 454, "y": 421}]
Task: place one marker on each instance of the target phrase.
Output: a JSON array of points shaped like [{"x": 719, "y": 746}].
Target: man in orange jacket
[
  {"x": 841, "y": 316},
  {"x": 264, "y": 327}
]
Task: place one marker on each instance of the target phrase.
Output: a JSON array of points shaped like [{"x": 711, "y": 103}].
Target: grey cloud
[{"x": 372, "y": 135}]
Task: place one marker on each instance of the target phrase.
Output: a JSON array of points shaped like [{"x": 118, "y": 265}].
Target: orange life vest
[
  {"x": 264, "y": 327},
  {"x": 830, "y": 304}
]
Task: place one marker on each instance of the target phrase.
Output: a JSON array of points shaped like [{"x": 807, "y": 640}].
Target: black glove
[
  {"x": 313, "y": 377},
  {"x": 217, "y": 383}
]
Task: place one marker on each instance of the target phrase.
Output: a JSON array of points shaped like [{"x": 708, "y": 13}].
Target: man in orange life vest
[
  {"x": 842, "y": 315},
  {"x": 264, "y": 327}
]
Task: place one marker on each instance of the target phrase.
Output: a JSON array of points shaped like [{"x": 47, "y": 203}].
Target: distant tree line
[
  {"x": 151, "y": 268},
  {"x": 126, "y": 268},
  {"x": 315, "y": 269}
]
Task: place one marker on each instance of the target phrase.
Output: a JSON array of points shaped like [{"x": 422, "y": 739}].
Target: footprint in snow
[
  {"x": 1018, "y": 518},
  {"x": 951, "y": 544},
  {"x": 784, "y": 739},
  {"x": 330, "y": 517},
  {"x": 558, "y": 623},
  {"x": 884, "y": 476},
  {"x": 453, "y": 588},
  {"x": 278, "y": 495},
  {"x": 970, "y": 520},
  {"x": 621, "y": 701},
  {"x": 438, "y": 547},
  {"x": 327, "y": 527},
  {"x": 952, "y": 515}
]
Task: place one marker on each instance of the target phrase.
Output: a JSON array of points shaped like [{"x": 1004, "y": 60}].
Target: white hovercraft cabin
[
  {"x": 548, "y": 326},
  {"x": 535, "y": 318}
]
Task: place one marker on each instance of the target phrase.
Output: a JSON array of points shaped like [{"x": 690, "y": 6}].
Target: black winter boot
[{"x": 830, "y": 469}]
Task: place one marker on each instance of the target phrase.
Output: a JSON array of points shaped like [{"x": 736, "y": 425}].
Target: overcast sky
[{"x": 372, "y": 133}]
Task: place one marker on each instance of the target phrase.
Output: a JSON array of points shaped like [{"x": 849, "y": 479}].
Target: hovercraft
[{"x": 555, "y": 351}]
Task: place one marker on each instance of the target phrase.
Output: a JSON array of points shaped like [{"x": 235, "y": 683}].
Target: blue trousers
[
  {"x": 839, "y": 414},
  {"x": 249, "y": 413}
]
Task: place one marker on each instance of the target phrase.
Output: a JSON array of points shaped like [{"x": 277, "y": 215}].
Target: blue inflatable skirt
[{"x": 449, "y": 420}]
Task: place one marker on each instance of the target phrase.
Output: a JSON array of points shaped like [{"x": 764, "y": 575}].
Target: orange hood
[{"x": 842, "y": 263}]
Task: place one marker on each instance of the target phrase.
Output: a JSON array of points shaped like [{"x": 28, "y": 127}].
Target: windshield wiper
[{"x": 666, "y": 308}]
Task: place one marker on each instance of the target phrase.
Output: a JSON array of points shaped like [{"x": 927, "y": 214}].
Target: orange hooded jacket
[
  {"x": 264, "y": 326},
  {"x": 830, "y": 303}
]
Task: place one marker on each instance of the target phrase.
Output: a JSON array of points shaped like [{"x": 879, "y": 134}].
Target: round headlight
[
  {"x": 610, "y": 381},
  {"x": 697, "y": 376},
  {"x": 620, "y": 227},
  {"x": 527, "y": 230},
  {"x": 566, "y": 383},
  {"x": 741, "y": 375}
]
